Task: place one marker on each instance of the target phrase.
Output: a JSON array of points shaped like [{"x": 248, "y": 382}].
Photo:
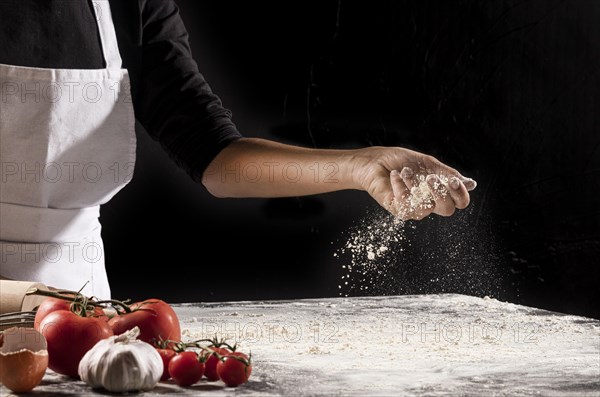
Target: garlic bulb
[{"x": 121, "y": 364}]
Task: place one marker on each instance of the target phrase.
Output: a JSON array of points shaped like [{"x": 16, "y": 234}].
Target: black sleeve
[{"x": 173, "y": 102}]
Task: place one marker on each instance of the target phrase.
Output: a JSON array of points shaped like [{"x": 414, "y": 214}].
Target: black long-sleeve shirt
[{"x": 170, "y": 97}]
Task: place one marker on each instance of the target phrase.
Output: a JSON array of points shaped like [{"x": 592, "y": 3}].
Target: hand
[{"x": 409, "y": 184}]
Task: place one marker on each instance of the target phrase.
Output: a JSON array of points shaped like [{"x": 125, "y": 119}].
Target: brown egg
[{"x": 23, "y": 359}]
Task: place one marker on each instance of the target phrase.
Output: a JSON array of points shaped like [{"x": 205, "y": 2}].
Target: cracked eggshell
[{"x": 23, "y": 359}]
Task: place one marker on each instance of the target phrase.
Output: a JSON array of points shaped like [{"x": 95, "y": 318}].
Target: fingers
[
  {"x": 432, "y": 187},
  {"x": 401, "y": 195},
  {"x": 416, "y": 197},
  {"x": 459, "y": 192},
  {"x": 470, "y": 184},
  {"x": 444, "y": 203},
  {"x": 408, "y": 177},
  {"x": 410, "y": 202},
  {"x": 399, "y": 187},
  {"x": 434, "y": 166},
  {"x": 419, "y": 205},
  {"x": 424, "y": 185}
]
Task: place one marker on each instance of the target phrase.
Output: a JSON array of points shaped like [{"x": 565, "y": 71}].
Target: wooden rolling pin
[{"x": 13, "y": 298}]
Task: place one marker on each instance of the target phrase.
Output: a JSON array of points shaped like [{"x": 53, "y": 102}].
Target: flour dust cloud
[{"x": 382, "y": 255}]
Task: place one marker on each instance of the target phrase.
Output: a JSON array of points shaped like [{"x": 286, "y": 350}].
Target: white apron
[{"x": 67, "y": 145}]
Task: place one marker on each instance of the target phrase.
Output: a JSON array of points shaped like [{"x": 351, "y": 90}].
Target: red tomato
[
  {"x": 50, "y": 305},
  {"x": 233, "y": 371},
  {"x": 69, "y": 337},
  {"x": 166, "y": 355},
  {"x": 155, "y": 318},
  {"x": 210, "y": 370},
  {"x": 186, "y": 369}
]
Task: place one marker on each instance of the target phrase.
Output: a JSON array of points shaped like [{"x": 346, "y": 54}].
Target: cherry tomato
[
  {"x": 166, "y": 355},
  {"x": 155, "y": 318},
  {"x": 69, "y": 337},
  {"x": 210, "y": 370},
  {"x": 233, "y": 371},
  {"x": 186, "y": 369}
]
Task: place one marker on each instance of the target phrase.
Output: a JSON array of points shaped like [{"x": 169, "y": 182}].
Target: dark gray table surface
[{"x": 415, "y": 345}]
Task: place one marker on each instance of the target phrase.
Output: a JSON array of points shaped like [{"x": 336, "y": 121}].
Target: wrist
[{"x": 355, "y": 165}]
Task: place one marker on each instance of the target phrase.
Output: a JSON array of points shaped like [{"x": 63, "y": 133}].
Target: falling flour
[
  {"x": 384, "y": 255},
  {"x": 371, "y": 245}
]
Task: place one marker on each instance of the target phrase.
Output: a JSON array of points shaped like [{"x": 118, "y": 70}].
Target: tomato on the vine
[
  {"x": 155, "y": 318},
  {"x": 210, "y": 370},
  {"x": 234, "y": 369},
  {"x": 185, "y": 368},
  {"x": 70, "y": 336},
  {"x": 50, "y": 305}
]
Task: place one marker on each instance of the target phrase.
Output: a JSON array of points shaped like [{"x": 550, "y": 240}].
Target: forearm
[{"x": 253, "y": 167}]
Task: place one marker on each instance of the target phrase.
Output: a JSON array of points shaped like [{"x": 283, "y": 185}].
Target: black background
[{"x": 505, "y": 91}]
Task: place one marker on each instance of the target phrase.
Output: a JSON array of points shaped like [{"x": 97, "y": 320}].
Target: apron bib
[{"x": 67, "y": 146}]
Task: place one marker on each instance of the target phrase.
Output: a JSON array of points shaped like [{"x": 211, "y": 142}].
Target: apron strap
[{"x": 108, "y": 36}]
